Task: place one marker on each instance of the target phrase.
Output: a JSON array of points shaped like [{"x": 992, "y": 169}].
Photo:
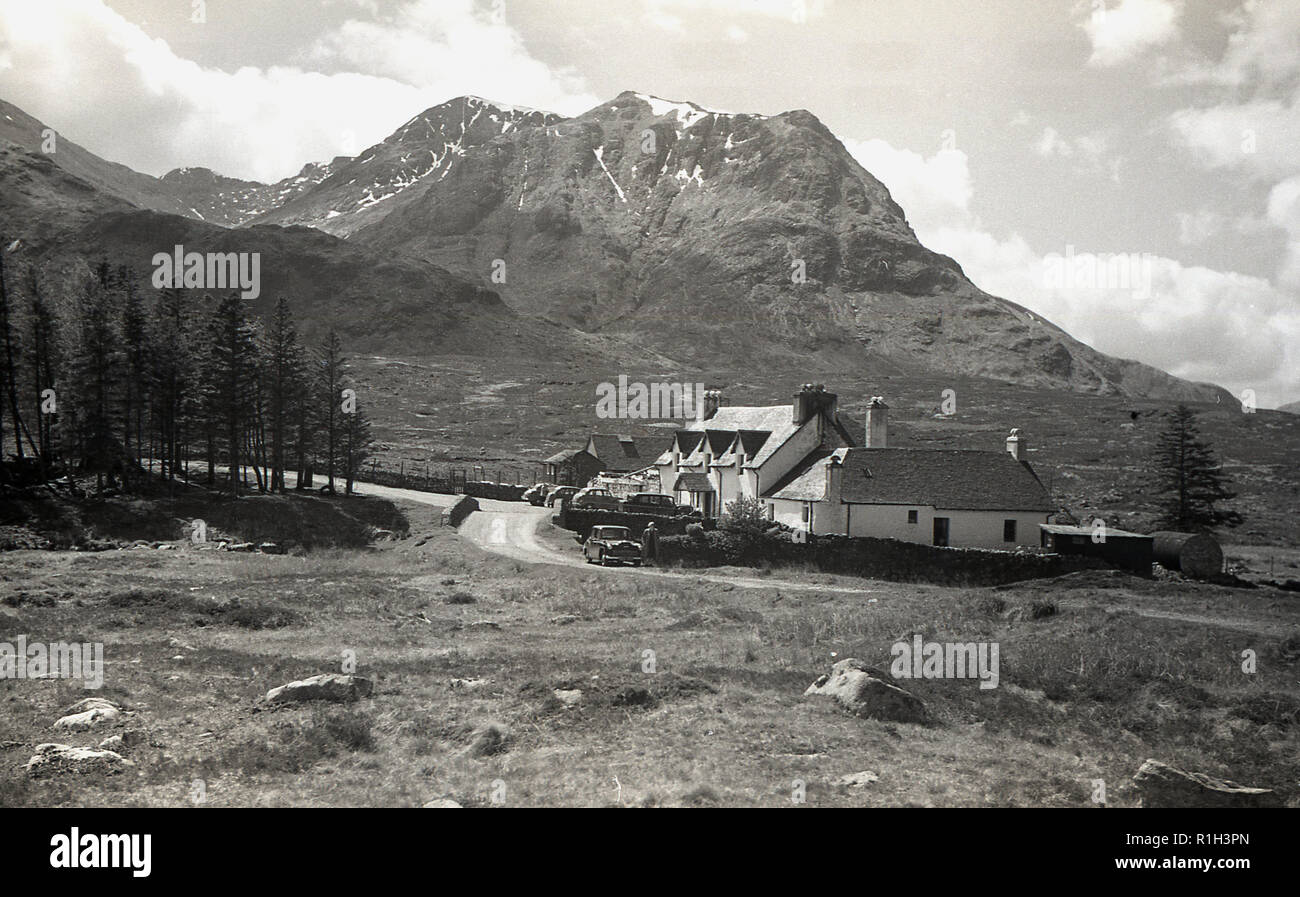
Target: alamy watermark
[
  {"x": 208, "y": 271},
  {"x": 946, "y": 660},
  {"x": 1104, "y": 271},
  {"x": 53, "y": 660},
  {"x": 638, "y": 400}
]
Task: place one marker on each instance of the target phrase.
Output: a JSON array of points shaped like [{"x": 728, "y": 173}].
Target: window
[
  {"x": 807, "y": 509},
  {"x": 1008, "y": 531},
  {"x": 771, "y": 511},
  {"x": 912, "y": 517}
]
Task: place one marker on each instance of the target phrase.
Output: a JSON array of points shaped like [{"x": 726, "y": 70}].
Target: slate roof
[
  {"x": 624, "y": 453},
  {"x": 566, "y": 456},
  {"x": 693, "y": 482},
  {"x": 947, "y": 479}
]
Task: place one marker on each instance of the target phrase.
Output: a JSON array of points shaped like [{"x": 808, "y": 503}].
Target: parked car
[
  {"x": 595, "y": 497},
  {"x": 560, "y": 494},
  {"x": 611, "y": 545},
  {"x": 533, "y": 494},
  {"x": 650, "y": 503}
]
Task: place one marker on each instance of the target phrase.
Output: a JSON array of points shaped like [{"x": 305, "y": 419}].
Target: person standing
[{"x": 649, "y": 543}]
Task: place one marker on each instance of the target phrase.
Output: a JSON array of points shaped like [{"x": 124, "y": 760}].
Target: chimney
[
  {"x": 811, "y": 399},
  {"x": 877, "y": 423},
  {"x": 1017, "y": 445},
  {"x": 708, "y": 403}
]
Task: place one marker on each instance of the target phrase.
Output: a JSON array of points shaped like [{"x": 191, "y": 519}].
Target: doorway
[{"x": 941, "y": 531}]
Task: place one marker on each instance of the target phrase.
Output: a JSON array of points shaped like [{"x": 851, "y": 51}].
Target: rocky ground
[{"x": 455, "y": 676}]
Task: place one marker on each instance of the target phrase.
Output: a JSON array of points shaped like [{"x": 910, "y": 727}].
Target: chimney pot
[
  {"x": 1017, "y": 446},
  {"x": 877, "y": 423}
]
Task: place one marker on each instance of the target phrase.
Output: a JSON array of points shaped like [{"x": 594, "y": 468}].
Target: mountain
[
  {"x": 364, "y": 189},
  {"x": 231, "y": 202},
  {"x": 59, "y": 224},
  {"x": 683, "y": 228},
  {"x": 660, "y": 228},
  {"x": 1290, "y": 407}
]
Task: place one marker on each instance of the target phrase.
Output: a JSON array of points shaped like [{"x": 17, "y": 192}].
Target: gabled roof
[
  {"x": 623, "y": 453},
  {"x": 692, "y": 482},
  {"x": 567, "y": 456},
  {"x": 945, "y": 479}
]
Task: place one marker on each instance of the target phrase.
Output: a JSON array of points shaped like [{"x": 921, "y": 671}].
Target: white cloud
[
  {"x": 1122, "y": 32},
  {"x": 1223, "y": 327},
  {"x": 1263, "y": 48},
  {"x": 79, "y": 63},
  {"x": 672, "y": 15}
]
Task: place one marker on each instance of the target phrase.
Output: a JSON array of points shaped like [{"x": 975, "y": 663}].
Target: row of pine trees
[{"x": 131, "y": 387}]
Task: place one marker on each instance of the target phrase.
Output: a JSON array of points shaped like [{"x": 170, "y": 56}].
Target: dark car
[
  {"x": 650, "y": 503},
  {"x": 595, "y": 497},
  {"x": 611, "y": 545},
  {"x": 534, "y": 494},
  {"x": 560, "y": 495}
]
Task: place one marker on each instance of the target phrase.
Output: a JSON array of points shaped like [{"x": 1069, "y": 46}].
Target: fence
[{"x": 505, "y": 484}]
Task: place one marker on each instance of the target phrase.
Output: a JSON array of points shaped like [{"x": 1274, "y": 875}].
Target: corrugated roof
[{"x": 1062, "y": 530}]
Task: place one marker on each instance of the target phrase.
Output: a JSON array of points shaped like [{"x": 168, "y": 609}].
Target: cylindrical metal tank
[{"x": 1194, "y": 554}]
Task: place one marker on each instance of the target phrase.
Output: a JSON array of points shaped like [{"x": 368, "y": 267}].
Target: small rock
[
  {"x": 858, "y": 779},
  {"x": 491, "y": 739},
  {"x": 569, "y": 697},
  {"x": 443, "y": 803},
  {"x": 564, "y": 619},
  {"x": 59, "y": 758},
  {"x": 86, "y": 714},
  {"x": 484, "y": 624},
  {"x": 241, "y": 546},
  {"x": 325, "y": 687},
  {"x": 468, "y": 684},
  {"x": 114, "y": 743},
  {"x": 863, "y": 691},
  {"x": 1162, "y": 785},
  {"x": 174, "y": 642},
  {"x": 270, "y": 548}
]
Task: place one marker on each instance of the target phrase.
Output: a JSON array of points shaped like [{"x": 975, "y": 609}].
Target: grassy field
[{"x": 478, "y": 663}]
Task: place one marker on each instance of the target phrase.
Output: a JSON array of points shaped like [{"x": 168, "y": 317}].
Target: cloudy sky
[{"x": 1013, "y": 132}]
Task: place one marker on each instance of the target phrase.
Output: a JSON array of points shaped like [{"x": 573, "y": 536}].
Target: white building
[{"x": 801, "y": 461}]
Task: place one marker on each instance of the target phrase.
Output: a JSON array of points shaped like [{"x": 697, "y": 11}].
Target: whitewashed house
[{"x": 802, "y": 463}]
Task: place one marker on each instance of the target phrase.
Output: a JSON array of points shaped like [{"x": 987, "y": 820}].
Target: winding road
[{"x": 510, "y": 528}]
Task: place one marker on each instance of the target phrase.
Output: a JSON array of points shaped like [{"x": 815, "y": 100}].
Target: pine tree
[
  {"x": 284, "y": 386},
  {"x": 45, "y": 363},
  {"x": 95, "y": 389},
  {"x": 135, "y": 370},
  {"x": 331, "y": 369},
  {"x": 1189, "y": 477},
  {"x": 232, "y": 358}
]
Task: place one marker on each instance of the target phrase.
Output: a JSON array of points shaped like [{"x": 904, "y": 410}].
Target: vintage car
[
  {"x": 611, "y": 545},
  {"x": 650, "y": 503},
  {"x": 559, "y": 495},
  {"x": 595, "y": 497},
  {"x": 533, "y": 494}
]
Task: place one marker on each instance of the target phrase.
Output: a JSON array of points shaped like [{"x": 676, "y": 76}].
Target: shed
[
  {"x": 1125, "y": 550},
  {"x": 1193, "y": 554}
]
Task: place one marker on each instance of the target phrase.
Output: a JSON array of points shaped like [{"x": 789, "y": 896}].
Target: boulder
[
  {"x": 443, "y": 803},
  {"x": 569, "y": 697},
  {"x": 242, "y": 546},
  {"x": 325, "y": 687},
  {"x": 1162, "y": 785},
  {"x": 857, "y": 779},
  {"x": 53, "y": 759},
  {"x": 87, "y": 714},
  {"x": 270, "y": 548},
  {"x": 863, "y": 691}
]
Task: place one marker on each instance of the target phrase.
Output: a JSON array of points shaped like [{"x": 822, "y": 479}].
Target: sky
[{"x": 1021, "y": 137}]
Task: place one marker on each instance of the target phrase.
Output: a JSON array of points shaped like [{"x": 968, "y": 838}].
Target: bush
[{"x": 745, "y": 517}]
